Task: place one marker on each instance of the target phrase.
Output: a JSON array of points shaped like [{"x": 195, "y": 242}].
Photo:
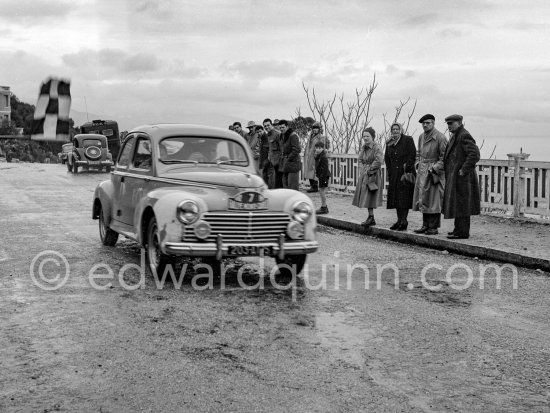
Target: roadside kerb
[{"x": 439, "y": 244}]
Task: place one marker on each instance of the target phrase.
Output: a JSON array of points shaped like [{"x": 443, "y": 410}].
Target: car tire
[
  {"x": 69, "y": 167},
  {"x": 157, "y": 262},
  {"x": 294, "y": 262},
  {"x": 107, "y": 235}
]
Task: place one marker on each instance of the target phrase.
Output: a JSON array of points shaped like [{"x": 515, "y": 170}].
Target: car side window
[
  {"x": 142, "y": 157},
  {"x": 126, "y": 153}
]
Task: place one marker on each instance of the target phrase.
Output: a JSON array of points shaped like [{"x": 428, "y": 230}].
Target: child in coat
[{"x": 322, "y": 172}]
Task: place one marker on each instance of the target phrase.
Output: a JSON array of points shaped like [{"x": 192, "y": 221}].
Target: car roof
[{"x": 162, "y": 130}]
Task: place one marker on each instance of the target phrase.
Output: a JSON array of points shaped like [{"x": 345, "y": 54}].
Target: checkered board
[{"x": 51, "y": 115}]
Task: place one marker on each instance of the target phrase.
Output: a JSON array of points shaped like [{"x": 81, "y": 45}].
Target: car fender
[
  {"x": 104, "y": 193},
  {"x": 163, "y": 203}
]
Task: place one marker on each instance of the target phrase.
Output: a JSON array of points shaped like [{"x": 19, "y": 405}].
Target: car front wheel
[
  {"x": 156, "y": 261},
  {"x": 291, "y": 265},
  {"x": 107, "y": 235}
]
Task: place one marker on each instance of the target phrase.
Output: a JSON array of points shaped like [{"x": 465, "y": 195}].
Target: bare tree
[
  {"x": 384, "y": 136},
  {"x": 343, "y": 120}
]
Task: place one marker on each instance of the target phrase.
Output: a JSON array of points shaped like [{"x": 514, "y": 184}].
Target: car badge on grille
[{"x": 248, "y": 201}]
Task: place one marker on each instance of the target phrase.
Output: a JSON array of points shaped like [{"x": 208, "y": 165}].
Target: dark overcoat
[
  {"x": 400, "y": 194},
  {"x": 290, "y": 160},
  {"x": 461, "y": 197}
]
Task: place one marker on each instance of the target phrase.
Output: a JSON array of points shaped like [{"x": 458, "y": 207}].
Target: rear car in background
[
  {"x": 107, "y": 128},
  {"x": 65, "y": 150},
  {"x": 90, "y": 151}
]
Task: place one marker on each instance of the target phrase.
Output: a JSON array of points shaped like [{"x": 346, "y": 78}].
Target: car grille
[{"x": 243, "y": 227}]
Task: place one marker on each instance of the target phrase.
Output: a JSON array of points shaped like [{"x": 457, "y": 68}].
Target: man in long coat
[
  {"x": 430, "y": 176},
  {"x": 290, "y": 160},
  {"x": 309, "y": 155},
  {"x": 461, "y": 198}
]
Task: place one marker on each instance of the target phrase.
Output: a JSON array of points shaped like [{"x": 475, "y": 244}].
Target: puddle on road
[{"x": 341, "y": 333}]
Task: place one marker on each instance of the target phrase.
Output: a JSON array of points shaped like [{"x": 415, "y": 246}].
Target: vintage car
[
  {"x": 65, "y": 150},
  {"x": 193, "y": 191},
  {"x": 90, "y": 151}
]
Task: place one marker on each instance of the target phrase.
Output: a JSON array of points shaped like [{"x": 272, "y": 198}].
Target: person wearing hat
[
  {"x": 291, "y": 163},
  {"x": 309, "y": 155},
  {"x": 253, "y": 139},
  {"x": 461, "y": 198},
  {"x": 275, "y": 178},
  {"x": 399, "y": 158},
  {"x": 430, "y": 176},
  {"x": 263, "y": 146}
]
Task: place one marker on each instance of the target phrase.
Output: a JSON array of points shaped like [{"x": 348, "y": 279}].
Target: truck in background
[{"x": 108, "y": 128}]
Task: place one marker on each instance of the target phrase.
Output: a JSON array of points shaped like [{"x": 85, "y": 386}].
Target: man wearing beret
[
  {"x": 461, "y": 198},
  {"x": 430, "y": 176}
]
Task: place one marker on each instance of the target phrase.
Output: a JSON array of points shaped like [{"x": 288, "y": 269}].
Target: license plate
[
  {"x": 94, "y": 162},
  {"x": 249, "y": 250},
  {"x": 247, "y": 206}
]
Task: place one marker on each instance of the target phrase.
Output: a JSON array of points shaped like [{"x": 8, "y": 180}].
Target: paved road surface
[{"x": 322, "y": 346}]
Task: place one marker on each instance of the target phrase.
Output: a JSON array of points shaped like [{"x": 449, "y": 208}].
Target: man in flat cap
[
  {"x": 430, "y": 176},
  {"x": 461, "y": 198}
]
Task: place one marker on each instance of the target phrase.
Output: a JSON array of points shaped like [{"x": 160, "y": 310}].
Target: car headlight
[
  {"x": 187, "y": 212},
  {"x": 302, "y": 211}
]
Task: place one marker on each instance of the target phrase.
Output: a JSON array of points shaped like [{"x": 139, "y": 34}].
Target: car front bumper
[{"x": 221, "y": 250}]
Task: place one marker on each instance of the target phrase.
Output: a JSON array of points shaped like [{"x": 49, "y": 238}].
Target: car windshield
[
  {"x": 91, "y": 142},
  {"x": 195, "y": 150}
]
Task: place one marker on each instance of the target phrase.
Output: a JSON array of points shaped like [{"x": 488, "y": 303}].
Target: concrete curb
[{"x": 439, "y": 244}]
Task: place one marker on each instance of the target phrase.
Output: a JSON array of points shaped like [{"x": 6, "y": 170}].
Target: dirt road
[{"x": 385, "y": 344}]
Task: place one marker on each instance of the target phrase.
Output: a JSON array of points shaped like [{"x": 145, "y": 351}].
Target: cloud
[
  {"x": 450, "y": 32},
  {"x": 30, "y": 12},
  {"x": 261, "y": 69},
  {"x": 421, "y": 20},
  {"x": 116, "y": 59}
]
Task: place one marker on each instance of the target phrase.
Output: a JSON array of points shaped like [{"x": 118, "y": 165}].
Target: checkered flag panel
[{"x": 51, "y": 115}]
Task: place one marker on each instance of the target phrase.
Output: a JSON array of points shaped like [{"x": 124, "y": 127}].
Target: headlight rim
[
  {"x": 295, "y": 212},
  {"x": 179, "y": 210}
]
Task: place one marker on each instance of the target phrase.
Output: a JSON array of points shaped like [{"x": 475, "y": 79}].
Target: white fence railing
[{"x": 496, "y": 183}]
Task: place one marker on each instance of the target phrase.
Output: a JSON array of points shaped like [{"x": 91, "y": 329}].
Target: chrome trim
[
  {"x": 211, "y": 249},
  {"x": 167, "y": 180}
]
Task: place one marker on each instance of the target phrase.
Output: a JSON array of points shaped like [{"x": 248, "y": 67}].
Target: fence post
[{"x": 518, "y": 180}]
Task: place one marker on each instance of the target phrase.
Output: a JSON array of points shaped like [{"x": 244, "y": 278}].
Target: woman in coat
[
  {"x": 399, "y": 158},
  {"x": 368, "y": 192}
]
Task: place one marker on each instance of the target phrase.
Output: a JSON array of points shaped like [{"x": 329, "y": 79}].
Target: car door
[
  {"x": 137, "y": 182},
  {"x": 119, "y": 179}
]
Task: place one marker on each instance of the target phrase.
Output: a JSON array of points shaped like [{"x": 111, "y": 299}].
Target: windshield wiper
[
  {"x": 178, "y": 161},
  {"x": 231, "y": 161}
]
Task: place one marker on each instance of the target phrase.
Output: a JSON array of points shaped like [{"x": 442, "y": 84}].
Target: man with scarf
[{"x": 430, "y": 176}]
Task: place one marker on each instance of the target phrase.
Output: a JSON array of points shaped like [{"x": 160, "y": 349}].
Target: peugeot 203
[{"x": 193, "y": 191}]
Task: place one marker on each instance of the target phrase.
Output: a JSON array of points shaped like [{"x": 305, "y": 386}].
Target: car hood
[{"x": 217, "y": 176}]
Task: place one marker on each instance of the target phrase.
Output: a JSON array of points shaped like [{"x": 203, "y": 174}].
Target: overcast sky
[{"x": 213, "y": 61}]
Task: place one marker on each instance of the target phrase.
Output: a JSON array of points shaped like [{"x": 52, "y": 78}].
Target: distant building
[{"x": 5, "y": 106}]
